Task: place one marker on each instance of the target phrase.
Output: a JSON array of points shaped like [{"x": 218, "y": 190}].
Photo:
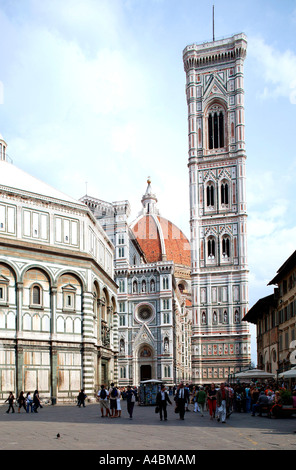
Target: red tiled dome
[{"x": 161, "y": 240}]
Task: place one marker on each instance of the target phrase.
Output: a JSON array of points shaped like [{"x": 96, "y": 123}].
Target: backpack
[
  {"x": 114, "y": 392},
  {"x": 103, "y": 394}
]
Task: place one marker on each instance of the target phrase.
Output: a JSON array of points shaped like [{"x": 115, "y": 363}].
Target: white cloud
[{"x": 277, "y": 67}]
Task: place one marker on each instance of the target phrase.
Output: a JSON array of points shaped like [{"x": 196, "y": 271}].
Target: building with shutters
[{"x": 275, "y": 320}]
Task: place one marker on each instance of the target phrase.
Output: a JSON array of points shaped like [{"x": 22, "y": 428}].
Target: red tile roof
[{"x": 176, "y": 244}]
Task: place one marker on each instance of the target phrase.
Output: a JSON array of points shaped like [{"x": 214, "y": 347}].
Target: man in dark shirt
[
  {"x": 161, "y": 401},
  {"x": 262, "y": 401},
  {"x": 181, "y": 398}
]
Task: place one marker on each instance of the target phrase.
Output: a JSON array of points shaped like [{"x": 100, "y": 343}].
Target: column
[
  {"x": 53, "y": 300},
  {"x": 53, "y": 370}
]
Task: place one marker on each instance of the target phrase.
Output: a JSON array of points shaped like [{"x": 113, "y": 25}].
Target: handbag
[
  {"x": 157, "y": 409},
  {"x": 177, "y": 409}
]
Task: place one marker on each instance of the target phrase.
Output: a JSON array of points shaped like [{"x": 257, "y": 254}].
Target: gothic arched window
[
  {"x": 211, "y": 248},
  {"x": 216, "y": 127},
  {"x": 226, "y": 247},
  {"x": 210, "y": 195},
  {"x": 224, "y": 193}
]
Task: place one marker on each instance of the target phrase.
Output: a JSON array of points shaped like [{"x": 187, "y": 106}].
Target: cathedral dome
[{"x": 159, "y": 238}]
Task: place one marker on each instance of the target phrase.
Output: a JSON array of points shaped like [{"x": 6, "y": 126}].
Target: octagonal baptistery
[{"x": 57, "y": 291}]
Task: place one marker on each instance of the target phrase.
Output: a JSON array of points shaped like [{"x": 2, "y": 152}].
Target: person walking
[
  {"x": 29, "y": 401},
  {"x": 104, "y": 402},
  {"x": 81, "y": 398},
  {"x": 181, "y": 398},
  {"x": 201, "y": 399},
  {"x": 21, "y": 402},
  {"x": 222, "y": 403},
  {"x": 231, "y": 396},
  {"x": 113, "y": 392},
  {"x": 131, "y": 400},
  {"x": 194, "y": 398},
  {"x": 36, "y": 401},
  {"x": 188, "y": 399},
  {"x": 212, "y": 400},
  {"x": 10, "y": 401},
  {"x": 162, "y": 398}
]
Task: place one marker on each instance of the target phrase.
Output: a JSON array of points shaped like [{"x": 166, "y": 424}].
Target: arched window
[
  {"x": 36, "y": 295},
  {"x": 167, "y": 371},
  {"x": 165, "y": 283},
  {"x": 224, "y": 193},
  {"x": 210, "y": 195},
  {"x": 216, "y": 127},
  {"x": 211, "y": 248},
  {"x": 226, "y": 247}
]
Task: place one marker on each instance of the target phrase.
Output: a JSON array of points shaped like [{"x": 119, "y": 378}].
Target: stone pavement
[{"x": 84, "y": 429}]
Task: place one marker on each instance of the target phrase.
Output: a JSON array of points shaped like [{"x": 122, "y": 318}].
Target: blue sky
[{"x": 93, "y": 92}]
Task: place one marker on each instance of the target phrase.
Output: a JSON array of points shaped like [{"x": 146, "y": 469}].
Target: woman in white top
[{"x": 118, "y": 403}]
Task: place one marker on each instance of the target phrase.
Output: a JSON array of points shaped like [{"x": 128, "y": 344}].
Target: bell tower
[{"x": 218, "y": 217}]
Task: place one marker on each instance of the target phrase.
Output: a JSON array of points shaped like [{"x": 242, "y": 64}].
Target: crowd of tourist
[
  {"x": 29, "y": 402},
  {"x": 219, "y": 402},
  {"x": 110, "y": 400},
  {"x": 240, "y": 398}
]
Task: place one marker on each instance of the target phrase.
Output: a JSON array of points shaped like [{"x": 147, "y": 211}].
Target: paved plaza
[{"x": 84, "y": 429}]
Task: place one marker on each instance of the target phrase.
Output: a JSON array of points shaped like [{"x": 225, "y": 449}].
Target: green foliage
[{"x": 286, "y": 397}]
